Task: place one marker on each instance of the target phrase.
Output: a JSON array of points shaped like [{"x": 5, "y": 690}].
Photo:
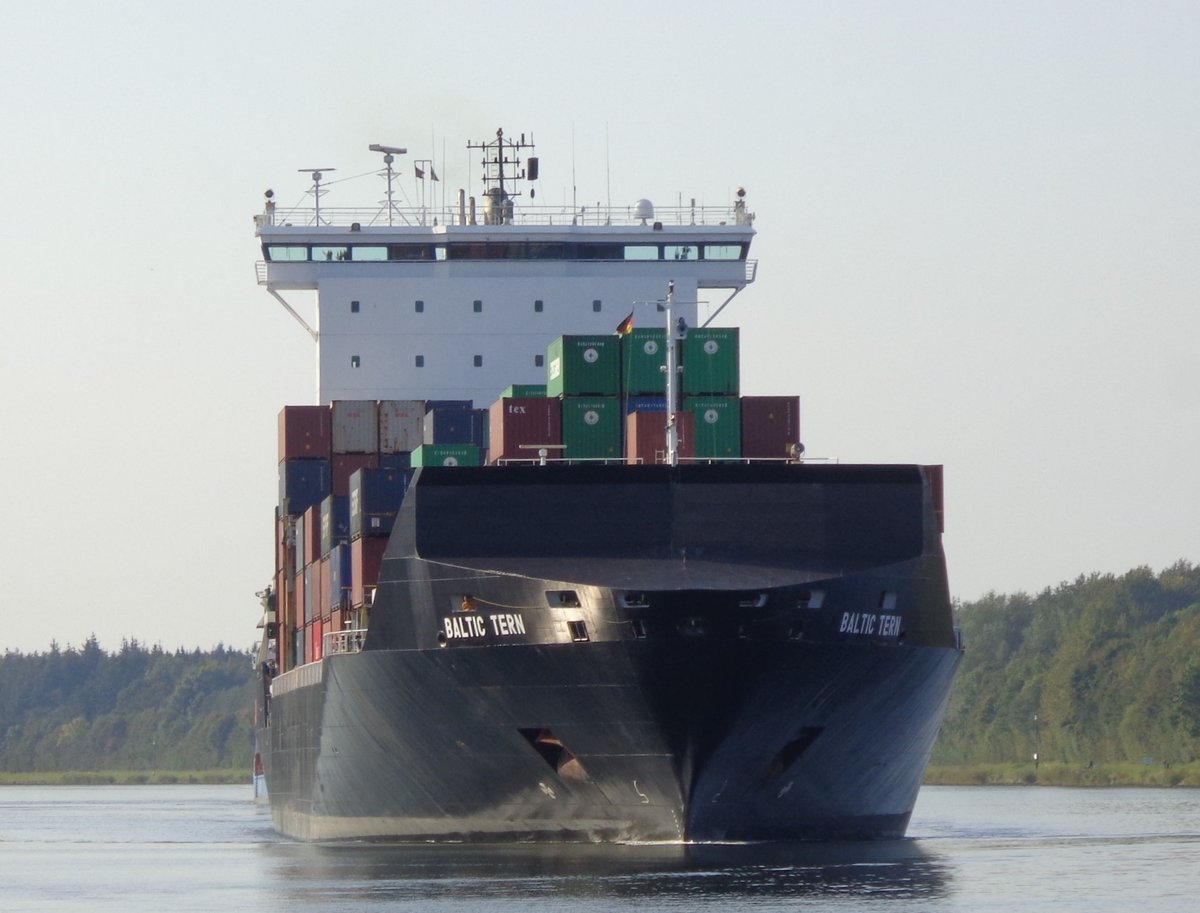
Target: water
[{"x": 200, "y": 849}]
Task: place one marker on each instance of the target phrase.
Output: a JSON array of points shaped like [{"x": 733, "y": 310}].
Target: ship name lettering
[
  {"x": 869, "y": 624},
  {"x": 457, "y": 626},
  {"x": 507, "y": 625}
]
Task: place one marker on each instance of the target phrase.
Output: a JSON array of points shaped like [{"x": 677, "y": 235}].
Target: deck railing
[
  {"x": 380, "y": 217},
  {"x": 348, "y": 641}
]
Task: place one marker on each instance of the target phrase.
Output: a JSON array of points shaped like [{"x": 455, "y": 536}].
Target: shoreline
[
  {"x": 1157, "y": 775},
  {"x": 1047, "y": 774}
]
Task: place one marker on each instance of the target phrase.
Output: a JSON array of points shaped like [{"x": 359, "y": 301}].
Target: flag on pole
[
  {"x": 432, "y": 174},
  {"x": 625, "y": 327},
  {"x": 418, "y": 172}
]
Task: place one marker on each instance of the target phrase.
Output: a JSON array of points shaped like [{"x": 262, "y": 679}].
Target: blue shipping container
[
  {"x": 454, "y": 426},
  {"x": 339, "y": 577},
  {"x": 335, "y": 522},
  {"x": 375, "y": 496},
  {"x": 303, "y": 483},
  {"x": 401, "y": 460},
  {"x": 433, "y": 404}
]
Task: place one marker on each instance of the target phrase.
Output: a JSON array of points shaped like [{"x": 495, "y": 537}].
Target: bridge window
[
  {"x": 681, "y": 252},
  {"x": 368, "y": 253},
  {"x": 723, "y": 251},
  {"x": 330, "y": 254},
  {"x": 287, "y": 253},
  {"x": 641, "y": 251},
  {"x": 409, "y": 252}
]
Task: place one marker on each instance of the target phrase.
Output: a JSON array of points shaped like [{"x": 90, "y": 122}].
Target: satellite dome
[{"x": 643, "y": 209}]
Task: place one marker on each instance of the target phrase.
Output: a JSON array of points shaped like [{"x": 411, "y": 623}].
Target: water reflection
[{"x": 898, "y": 869}]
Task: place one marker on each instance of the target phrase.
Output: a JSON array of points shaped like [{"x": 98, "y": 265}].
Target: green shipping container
[
  {"x": 446, "y": 455},
  {"x": 718, "y": 432},
  {"x": 591, "y": 427},
  {"x": 579, "y": 365},
  {"x": 710, "y": 361},
  {"x": 643, "y": 362},
  {"x": 523, "y": 391}
]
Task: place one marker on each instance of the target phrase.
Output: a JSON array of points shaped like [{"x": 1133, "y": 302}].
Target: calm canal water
[{"x": 205, "y": 849}]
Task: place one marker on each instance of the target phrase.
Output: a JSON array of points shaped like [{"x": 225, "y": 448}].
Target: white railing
[
  {"x": 377, "y": 217},
  {"x": 348, "y": 641}
]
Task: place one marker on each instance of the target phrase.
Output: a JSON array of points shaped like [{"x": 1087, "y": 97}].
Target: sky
[{"x": 978, "y": 244}]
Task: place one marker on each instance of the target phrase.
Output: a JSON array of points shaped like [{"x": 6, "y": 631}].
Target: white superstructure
[{"x": 423, "y": 309}]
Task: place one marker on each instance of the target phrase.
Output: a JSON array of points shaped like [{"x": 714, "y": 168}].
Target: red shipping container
[
  {"x": 366, "y": 558},
  {"x": 323, "y": 603},
  {"x": 305, "y": 433},
  {"x": 317, "y": 630},
  {"x": 646, "y": 437},
  {"x": 770, "y": 426},
  {"x": 312, "y": 536},
  {"x": 528, "y": 421},
  {"x": 345, "y": 465}
]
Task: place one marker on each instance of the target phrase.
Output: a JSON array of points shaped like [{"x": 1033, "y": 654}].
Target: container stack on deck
[{"x": 344, "y": 468}]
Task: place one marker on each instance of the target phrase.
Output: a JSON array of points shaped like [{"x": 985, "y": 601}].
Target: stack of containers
[
  {"x": 305, "y": 455},
  {"x": 355, "y": 438},
  {"x": 375, "y": 498},
  {"x": 401, "y": 431},
  {"x": 710, "y": 391},
  {"x": 584, "y": 372},
  {"x": 455, "y": 434}
]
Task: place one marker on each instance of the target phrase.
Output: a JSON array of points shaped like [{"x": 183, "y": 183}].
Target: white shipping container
[
  {"x": 401, "y": 425},
  {"x": 355, "y": 426}
]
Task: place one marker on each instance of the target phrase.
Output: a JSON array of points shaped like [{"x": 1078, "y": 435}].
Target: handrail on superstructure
[
  {"x": 300, "y": 216},
  {"x": 349, "y": 641}
]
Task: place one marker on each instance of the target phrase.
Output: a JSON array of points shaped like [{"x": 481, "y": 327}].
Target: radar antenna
[
  {"x": 316, "y": 191},
  {"x": 502, "y": 166},
  {"x": 389, "y": 156}
]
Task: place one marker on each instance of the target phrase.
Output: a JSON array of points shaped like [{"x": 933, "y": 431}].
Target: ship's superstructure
[
  {"x": 461, "y": 304},
  {"x": 590, "y": 611}
]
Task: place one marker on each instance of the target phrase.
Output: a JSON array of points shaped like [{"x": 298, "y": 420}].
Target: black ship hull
[{"x": 631, "y": 654}]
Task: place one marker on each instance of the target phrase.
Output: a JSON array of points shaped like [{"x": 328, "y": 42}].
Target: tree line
[
  {"x": 137, "y": 708},
  {"x": 1105, "y": 669}
]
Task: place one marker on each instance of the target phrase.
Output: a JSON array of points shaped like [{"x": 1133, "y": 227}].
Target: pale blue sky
[{"x": 978, "y": 239}]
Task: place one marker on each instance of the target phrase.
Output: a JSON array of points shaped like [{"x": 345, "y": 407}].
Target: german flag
[{"x": 625, "y": 327}]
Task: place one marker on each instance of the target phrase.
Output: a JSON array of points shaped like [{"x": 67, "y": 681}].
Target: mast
[
  {"x": 499, "y": 154},
  {"x": 676, "y": 333}
]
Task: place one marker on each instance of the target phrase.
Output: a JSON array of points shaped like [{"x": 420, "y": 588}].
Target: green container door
[
  {"x": 523, "y": 391},
  {"x": 643, "y": 362},
  {"x": 583, "y": 365},
  {"x": 710, "y": 362},
  {"x": 591, "y": 427},
  {"x": 446, "y": 455},
  {"x": 718, "y": 432}
]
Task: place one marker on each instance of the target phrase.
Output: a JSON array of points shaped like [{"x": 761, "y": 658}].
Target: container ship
[{"x": 543, "y": 572}]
